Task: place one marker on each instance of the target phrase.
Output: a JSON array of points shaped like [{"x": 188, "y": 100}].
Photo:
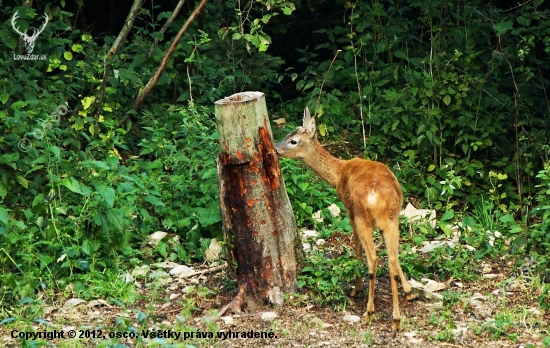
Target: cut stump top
[{"x": 242, "y": 97}]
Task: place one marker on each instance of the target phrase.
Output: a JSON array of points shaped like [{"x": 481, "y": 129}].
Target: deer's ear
[{"x": 309, "y": 123}]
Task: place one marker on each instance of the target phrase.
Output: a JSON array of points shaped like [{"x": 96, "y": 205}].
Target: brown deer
[{"x": 372, "y": 196}]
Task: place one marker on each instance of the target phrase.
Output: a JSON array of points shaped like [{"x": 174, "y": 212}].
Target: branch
[
  {"x": 149, "y": 86},
  {"x": 108, "y": 60},
  {"x": 167, "y": 24}
]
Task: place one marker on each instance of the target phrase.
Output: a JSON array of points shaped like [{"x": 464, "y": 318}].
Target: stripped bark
[{"x": 258, "y": 222}]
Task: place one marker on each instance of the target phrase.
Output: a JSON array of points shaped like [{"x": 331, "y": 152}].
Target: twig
[
  {"x": 149, "y": 86},
  {"x": 323, "y": 83},
  {"x": 167, "y": 24},
  {"x": 108, "y": 59},
  {"x": 208, "y": 270}
]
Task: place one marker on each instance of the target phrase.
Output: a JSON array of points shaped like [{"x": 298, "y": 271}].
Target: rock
[
  {"x": 73, "y": 302},
  {"x": 268, "y": 315},
  {"x": 306, "y": 246},
  {"x": 155, "y": 238},
  {"x": 96, "y": 303},
  {"x": 334, "y": 210},
  {"x": 310, "y": 234},
  {"x": 126, "y": 277},
  {"x": 165, "y": 264},
  {"x": 320, "y": 241},
  {"x": 351, "y": 318},
  {"x": 213, "y": 252},
  {"x": 228, "y": 320},
  {"x": 182, "y": 271},
  {"x": 432, "y": 285},
  {"x": 419, "y": 215},
  {"x": 140, "y": 271},
  {"x": 317, "y": 216}
]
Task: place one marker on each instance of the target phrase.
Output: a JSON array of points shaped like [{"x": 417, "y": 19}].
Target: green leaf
[
  {"x": 523, "y": 21},
  {"x": 108, "y": 194},
  {"x": 56, "y": 151},
  {"x": 431, "y": 167},
  {"x": 3, "y": 190},
  {"x": 115, "y": 218},
  {"x": 153, "y": 200},
  {"x": 68, "y": 55},
  {"x": 3, "y": 216},
  {"x": 95, "y": 165},
  {"x": 87, "y": 102},
  {"x": 18, "y": 105},
  {"x": 209, "y": 215},
  {"x": 449, "y": 214},
  {"x": 72, "y": 185},
  {"x": 86, "y": 247},
  {"x": 4, "y": 97},
  {"x": 211, "y": 172},
  {"x": 400, "y": 54},
  {"x": 236, "y": 36},
  {"x": 77, "y": 48},
  {"x": 502, "y": 27},
  {"x": 287, "y": 11},
  {"x": 23, "y": 181},
  {"x": 447, "y": 99},
  {"x": 507, "y": 218}
]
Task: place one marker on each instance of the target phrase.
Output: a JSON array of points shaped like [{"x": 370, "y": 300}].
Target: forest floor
[{"x": 498, "y": 312}]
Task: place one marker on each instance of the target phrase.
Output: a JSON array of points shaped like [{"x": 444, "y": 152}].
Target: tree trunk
[{"x": 258, "y": 222}]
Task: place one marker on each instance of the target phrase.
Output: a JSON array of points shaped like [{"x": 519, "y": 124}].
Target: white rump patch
[{"x": 372, "y": 198}]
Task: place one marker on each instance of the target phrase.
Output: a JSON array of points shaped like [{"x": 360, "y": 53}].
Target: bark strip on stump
[{"x": 258, "y": 222}]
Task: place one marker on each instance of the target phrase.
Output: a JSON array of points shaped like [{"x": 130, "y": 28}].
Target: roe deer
[{"x": 372, "y": 196}]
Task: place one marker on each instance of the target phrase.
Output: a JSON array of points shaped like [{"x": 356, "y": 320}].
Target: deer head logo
[{"x": 29, "y": 40}]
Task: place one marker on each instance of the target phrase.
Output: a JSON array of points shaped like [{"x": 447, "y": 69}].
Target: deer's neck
[{"x": 324, "y": 164}]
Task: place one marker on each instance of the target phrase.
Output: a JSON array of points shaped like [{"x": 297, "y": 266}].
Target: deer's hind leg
[
  {"x": 359, "y": 254},
  {"x": 362, "y": 228},
  {"x": 390, "y": 232}
]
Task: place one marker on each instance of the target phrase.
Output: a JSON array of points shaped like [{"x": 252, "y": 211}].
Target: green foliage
[
  {"x": 437, "y": 92},
  {"x": 326, "y": 277}
]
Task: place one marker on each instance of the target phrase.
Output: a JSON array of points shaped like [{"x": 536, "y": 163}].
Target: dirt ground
[{"x": 517, "y": 320}]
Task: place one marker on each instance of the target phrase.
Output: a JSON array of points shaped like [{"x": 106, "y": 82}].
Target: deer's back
[{"x": 369, "y": 187}]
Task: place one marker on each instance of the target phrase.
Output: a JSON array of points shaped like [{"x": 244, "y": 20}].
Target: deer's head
[{"x": 298, "y": 143}]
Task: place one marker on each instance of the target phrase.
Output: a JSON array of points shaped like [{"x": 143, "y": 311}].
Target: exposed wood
[{"x": 258, "y": 222}]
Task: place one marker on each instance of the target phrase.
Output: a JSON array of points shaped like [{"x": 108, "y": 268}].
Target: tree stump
[{"x": 257, "y": 218}]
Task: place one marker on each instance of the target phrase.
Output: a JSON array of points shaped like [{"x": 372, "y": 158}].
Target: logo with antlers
[{"x": 29, "y": 40}]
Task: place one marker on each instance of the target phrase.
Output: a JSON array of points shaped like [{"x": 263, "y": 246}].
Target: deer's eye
[{"x": 293, "y": 142}]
